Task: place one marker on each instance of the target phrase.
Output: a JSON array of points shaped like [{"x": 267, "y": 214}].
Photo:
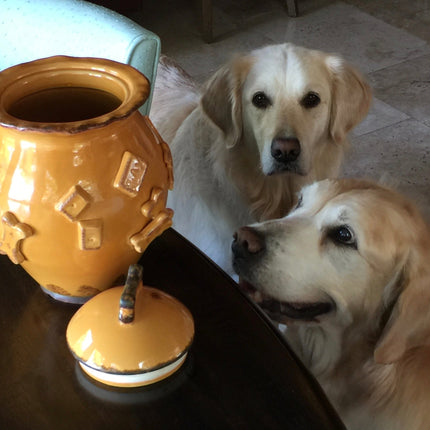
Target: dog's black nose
[
  {"x": 285, "y": 149},
  {"x": 247, "y": 241}
]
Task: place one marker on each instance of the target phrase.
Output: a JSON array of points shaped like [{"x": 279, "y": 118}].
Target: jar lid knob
[{"x": 128, "y": 297}]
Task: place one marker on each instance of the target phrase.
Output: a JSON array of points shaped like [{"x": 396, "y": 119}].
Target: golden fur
[
  {"x": 369, "y": 346},
  {"x": 225, "y": 173}
]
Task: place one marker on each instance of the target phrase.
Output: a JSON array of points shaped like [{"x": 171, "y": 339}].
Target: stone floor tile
[
  {"x": 380, "y": 115},
  {"x": 411, "y": 15},
  {"x": 401, "y": 153},
  {"x": 368, "y": 42},
  {"x": 406, "y": 86}
]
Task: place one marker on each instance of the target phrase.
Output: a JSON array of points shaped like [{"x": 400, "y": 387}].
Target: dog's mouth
[
  {"x": 281, "y": 168},
  {"x": 283, "y": 311}
]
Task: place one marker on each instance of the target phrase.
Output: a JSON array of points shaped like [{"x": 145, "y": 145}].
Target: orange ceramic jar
[{"x": 83, "y": 175}]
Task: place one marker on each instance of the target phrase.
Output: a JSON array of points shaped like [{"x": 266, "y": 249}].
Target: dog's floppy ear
[
  {"x": 351, "y": 98},
  {"x": 409, "y": 323},
  {"x": 221, "y": 100}
]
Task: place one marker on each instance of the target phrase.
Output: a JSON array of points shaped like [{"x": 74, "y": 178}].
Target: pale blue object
[{"x": 32, "y": 29}]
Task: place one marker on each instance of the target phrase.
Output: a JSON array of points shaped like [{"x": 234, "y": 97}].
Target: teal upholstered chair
[{"x": 32, "y": 29}]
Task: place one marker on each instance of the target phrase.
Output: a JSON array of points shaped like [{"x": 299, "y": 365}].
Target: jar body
[{"x": 79, "y": 206}]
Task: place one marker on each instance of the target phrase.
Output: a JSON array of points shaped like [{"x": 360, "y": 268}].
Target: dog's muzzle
[
  {"x": 285, "y": 152},
  {"x": 247, "y": 244},
  {"x": 248, "y": 247}
]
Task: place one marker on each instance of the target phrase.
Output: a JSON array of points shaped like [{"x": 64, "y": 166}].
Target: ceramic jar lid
[{"x": 131, "y": 336}]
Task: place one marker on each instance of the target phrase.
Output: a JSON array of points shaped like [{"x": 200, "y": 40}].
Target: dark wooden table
[{"x": 240, "y": 374}]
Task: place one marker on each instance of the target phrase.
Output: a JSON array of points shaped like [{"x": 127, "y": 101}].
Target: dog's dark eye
[
  {"x": 299, "y": 202},
  {"x": 310, "y": 100},
  {"x": 343, "y": 235},
  {"x": 260, "y": 100}
]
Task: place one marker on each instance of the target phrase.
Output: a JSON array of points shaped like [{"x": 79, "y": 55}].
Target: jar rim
[{"x": 120, "y": 80}]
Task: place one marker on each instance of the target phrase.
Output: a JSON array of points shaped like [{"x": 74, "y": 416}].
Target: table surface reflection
[{"x": 239, "y": 374}]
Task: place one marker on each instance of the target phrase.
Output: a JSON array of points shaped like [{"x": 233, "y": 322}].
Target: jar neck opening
[
  {"x": 69, "y": 94},
  {"x": 64, "y": 105}
]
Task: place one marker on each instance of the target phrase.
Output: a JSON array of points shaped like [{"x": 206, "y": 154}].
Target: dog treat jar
[{"x": 84, "y": 176}]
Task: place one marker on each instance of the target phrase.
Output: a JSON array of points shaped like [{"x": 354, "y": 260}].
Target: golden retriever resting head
[
  {"x": 348, "y": 271},
  {"x": 290, "y": 104}
]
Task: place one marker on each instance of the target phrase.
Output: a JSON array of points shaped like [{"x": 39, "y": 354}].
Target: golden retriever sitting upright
[
  {"x": 265, "y": 124},
  {"x": 348, "y": 272}
]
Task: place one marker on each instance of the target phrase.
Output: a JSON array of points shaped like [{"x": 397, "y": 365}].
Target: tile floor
[{"x": 389, "y": 40}]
